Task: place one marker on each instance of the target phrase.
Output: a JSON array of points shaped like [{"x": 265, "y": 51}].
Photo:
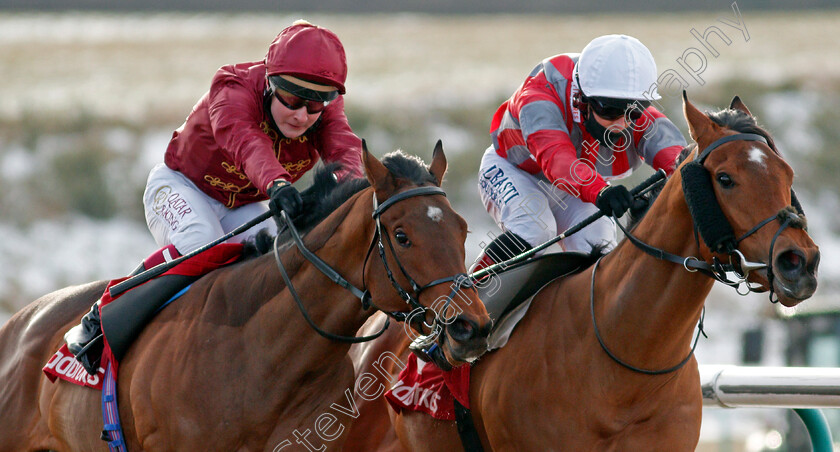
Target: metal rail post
[
  {"x": 818, "y": 429},
  {"x": 802, "y": 389}
]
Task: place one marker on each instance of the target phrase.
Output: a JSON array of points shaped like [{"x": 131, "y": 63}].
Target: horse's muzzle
[
  {"x": 795, "y": 272},
  {"x": 466, "y": 339}
]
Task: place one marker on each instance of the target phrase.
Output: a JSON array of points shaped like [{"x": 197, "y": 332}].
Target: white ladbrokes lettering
[
  {"x": 69, "y": 367},
  {"x": 416, "y": 396}
]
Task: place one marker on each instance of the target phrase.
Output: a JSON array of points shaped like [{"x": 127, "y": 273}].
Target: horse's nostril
[
  {"x": 462, "y": 330},
  {"x": 465, "y": 327},
  {"x": 790, "y": 263}
]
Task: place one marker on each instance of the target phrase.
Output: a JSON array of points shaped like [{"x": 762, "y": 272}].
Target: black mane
[
  {"x": 326, "y": 194},
  {"x": 408, "y": 167},
  {"x": 741, "y": 122},
  {"x": 643, "y": 203}
]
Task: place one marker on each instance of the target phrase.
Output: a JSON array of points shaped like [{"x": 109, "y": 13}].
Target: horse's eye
[
  {"x": 402, "y": 238},
  {"x": 725, "y": 180}
]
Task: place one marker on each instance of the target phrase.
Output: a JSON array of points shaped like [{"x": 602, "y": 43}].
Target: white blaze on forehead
[
  {"x": 758, "y": 156},
  {"x": 435, "y": 213}
]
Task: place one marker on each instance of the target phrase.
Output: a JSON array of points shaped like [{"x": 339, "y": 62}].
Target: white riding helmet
[{"x": 618, "y": 67}]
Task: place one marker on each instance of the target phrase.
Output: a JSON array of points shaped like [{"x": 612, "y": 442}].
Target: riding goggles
[
  {"x": 612, "y": 109},
  {"x": 294, "y": 96},
  {"x": 293, "y": 102}
]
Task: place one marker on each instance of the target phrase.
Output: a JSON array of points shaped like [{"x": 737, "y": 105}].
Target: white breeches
[
  {"x": 535, "y": 210},
  {"x": 179, "y": 213}
]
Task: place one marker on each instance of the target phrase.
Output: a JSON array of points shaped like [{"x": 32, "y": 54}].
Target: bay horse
[
  {"x": 231, "y": 365},
  {"x": 603, "y": 360}
]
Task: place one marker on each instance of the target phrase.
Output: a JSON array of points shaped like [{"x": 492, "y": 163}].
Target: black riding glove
[
  {"x": 614, "y": 200},
  {"x": 284, "y": 197}
]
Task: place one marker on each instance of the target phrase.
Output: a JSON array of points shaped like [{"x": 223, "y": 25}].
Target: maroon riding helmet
[{"x": 310, "y": 53}]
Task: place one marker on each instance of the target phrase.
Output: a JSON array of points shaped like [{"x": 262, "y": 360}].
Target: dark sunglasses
[
  {"x": 293, "y": 102},
  {"x": 612, "y": 109}
]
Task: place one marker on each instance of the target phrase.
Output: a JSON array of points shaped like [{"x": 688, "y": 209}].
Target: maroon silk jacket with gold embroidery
[{"x": 227, "y": 148}]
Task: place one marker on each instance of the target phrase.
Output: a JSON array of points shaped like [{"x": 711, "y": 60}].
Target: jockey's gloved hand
[
  {"x": 614, "y": 200},
  {"x": 639, "y": 207},
  {"x": 284, "y": 197}
]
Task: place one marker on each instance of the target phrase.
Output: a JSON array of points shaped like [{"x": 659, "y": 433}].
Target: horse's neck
[
  {"x": 652, "y": 304},
  {"x": 277, "y": 324}
]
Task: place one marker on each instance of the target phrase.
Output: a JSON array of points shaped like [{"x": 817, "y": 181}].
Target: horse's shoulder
[{"x": 233, "y": 294}]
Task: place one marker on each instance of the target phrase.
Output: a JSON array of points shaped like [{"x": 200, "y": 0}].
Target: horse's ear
[
  {"x": 698, "y": 123},
  {"x": 377, "y": 174},
  {"x": 438, "y": 166},
  {"x": 737, "y": 104}
]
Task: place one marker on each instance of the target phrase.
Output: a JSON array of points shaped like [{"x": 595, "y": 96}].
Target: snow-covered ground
[{"x": 139, "y": 66}]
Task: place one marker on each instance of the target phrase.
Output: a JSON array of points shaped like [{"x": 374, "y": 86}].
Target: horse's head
[
  {"x": 420, "y": 244},
  {"x": 759, "y": 224}
]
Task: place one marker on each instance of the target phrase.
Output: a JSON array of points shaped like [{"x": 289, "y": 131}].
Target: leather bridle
[
  {"x": 459, "y": 281},
  {"x": 710, "y": 224}
]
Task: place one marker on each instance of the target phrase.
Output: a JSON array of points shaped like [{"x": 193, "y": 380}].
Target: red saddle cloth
[
  {"x": 64, "y": 365},
  {"x": 424, "y": 387}
]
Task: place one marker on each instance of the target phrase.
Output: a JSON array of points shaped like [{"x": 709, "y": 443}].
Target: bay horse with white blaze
[
  {"x": 231, "y": 365},
  {"x": 603, "y": 361}
]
